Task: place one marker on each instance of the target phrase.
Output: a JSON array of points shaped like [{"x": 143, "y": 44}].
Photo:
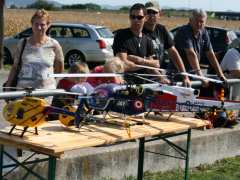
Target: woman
[{"x": 41, "y": 56}]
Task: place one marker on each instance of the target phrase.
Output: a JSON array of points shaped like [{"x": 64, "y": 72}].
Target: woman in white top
[{"x": 41, "y": 56}]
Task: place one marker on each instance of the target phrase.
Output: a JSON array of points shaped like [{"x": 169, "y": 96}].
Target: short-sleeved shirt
[
  {"x": 37, "y": 63},
  {"x": 184, "y": 39},
  {"x": 126, "y": 42},
  {"x": 231, "y": 60},
  {"x": 161, "y": 40}
]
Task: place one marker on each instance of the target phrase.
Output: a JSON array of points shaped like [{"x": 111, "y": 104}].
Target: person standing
[
  {"x": 192, "y": 40},
  {"x": 161, "y": 39},
  {"x": 231, "y": 65},
  {"x": 133, "y": 47},
  {"x": 41, "y": 55}
]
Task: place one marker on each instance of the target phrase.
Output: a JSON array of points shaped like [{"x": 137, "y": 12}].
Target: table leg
[
  {"x": 1, "y": 161},
  {"x": 141, "y": 158},
  {"x": 187, "y": 155},
  {"x": 52, "y": 167}
]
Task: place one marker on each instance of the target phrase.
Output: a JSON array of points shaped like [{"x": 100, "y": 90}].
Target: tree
[
  {"x": 94, "y": 7},
  {"x": 13, "y": 6},
  {"x": 74, "y": 6},
  {"x": 41, "y": 4},
  {"x": 2, "y": 2},
  {"x": 124, "y": 9}
]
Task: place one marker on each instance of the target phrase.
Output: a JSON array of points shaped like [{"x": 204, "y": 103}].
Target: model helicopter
[
  {"x": 123, "y": 99},
  {"x": 27, "y": 110},
  {"x": 154, "y": 97}
]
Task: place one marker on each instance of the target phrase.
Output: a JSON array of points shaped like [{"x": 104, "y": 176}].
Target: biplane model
[{"x": 126, "y": 100}]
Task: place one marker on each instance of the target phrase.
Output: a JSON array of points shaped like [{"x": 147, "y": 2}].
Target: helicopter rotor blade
[
  {"x": 201, "y": 77},
  {"x": 184, "y": 74},
  {"x": 86, "y": 75},
  {"x": 149, "y": 67},
  {"x": 37, "y": 93}
]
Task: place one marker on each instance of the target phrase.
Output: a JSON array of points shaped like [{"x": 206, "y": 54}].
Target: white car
[{"x": 80, "y": 42}]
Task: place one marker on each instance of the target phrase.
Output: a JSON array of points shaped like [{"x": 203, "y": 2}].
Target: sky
[{"x": 209, "y": 5}]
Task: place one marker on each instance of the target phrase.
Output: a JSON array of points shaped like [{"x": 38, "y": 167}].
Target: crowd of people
[{"x": 135, "y": 48}]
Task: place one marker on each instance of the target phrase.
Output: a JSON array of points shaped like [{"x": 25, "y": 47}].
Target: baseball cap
[{"x": 153, "y": 5}]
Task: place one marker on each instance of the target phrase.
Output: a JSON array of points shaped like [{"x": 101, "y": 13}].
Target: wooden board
[{"x": 54, "y": 139}]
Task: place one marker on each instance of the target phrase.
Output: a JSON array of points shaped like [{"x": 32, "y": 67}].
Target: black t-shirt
[
  {"x": 184, "y": 39},
  {"x": 161, "y": 40},
  {"x": 126, "y": 42}
]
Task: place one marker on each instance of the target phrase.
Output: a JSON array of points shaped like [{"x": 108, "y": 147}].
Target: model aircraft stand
[{"x": 54, "y": 140}]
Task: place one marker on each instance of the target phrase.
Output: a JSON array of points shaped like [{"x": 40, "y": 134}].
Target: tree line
[{"x": 43, "y": 4}]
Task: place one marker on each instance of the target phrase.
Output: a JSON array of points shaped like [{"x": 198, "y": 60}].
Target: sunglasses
[
  {"x": 151, "y": 12},
  {"x": 136, "y": 17}
]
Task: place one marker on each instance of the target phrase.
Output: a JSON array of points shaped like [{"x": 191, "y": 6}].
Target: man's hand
[
  {"x": 154, "y": 63},
  {"x": 205, "y": 83},
  {"x": 186, "y": 82},
  {"x": 165, "y": 80},
  {"x": 224, "y": 79}
]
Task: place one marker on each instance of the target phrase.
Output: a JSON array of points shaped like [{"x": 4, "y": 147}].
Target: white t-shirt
[
  {"x": 231, "y": 60},
  {"x": 37, "y": 63}
]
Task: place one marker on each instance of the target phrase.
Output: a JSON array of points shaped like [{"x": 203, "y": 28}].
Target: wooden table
[{"x": 54, "y": 139}]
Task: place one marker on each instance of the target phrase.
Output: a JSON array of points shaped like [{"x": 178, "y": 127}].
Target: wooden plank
[{"x": 54, "y": 139}]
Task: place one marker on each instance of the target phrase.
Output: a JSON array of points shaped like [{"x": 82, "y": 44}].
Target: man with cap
[
  {"x": 133, "y": 47},
  {"x": 161, "y": 39}
]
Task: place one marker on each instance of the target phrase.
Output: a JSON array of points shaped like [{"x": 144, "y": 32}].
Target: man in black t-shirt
[
  {"x": 133, "y": 47},
  {"x": 161, "y": 38}
]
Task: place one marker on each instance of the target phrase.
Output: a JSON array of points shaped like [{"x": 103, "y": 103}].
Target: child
[
  {"x": 113, "y": 65},
  {"x": 69, "y": 83}
]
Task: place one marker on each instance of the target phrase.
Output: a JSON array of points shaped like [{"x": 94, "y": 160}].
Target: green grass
[
  {"x": 7, "y": 67},
  {"x": 226, "y": 169}
]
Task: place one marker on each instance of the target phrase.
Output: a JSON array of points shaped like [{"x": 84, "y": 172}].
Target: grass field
[
  {"x": 226, "y": 169},
  {"x": 18, "y": 19}
]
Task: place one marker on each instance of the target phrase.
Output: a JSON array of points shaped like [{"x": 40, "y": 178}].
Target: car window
[
  {"x": 219, "y": 36},
  {"x": 80, "y": 33},
  {"x": 54, "y": 32},
  {"x": 60, "y": 32},
  {"x": 104, "y": 33},
  {"x": 24, "y": 34}
]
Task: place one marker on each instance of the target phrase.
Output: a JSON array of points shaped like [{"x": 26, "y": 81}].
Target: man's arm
[
  {"x": 128, "y": 64},
  {"x": 193, "y": 61},
  {"x": 149, "y": 61},
  {"x": 214, "y": 62},
  {"x": 177, "y": 60}
]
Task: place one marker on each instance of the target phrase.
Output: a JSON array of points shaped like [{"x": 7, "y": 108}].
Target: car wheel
[
  {"x": 7, "y": 58},
  {"x": 74, "y": 56}
]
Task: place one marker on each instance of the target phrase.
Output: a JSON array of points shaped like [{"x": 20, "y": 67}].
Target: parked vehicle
[
  {"x": 238, "y": 34},
  {"x": 80, "y": 42}
]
